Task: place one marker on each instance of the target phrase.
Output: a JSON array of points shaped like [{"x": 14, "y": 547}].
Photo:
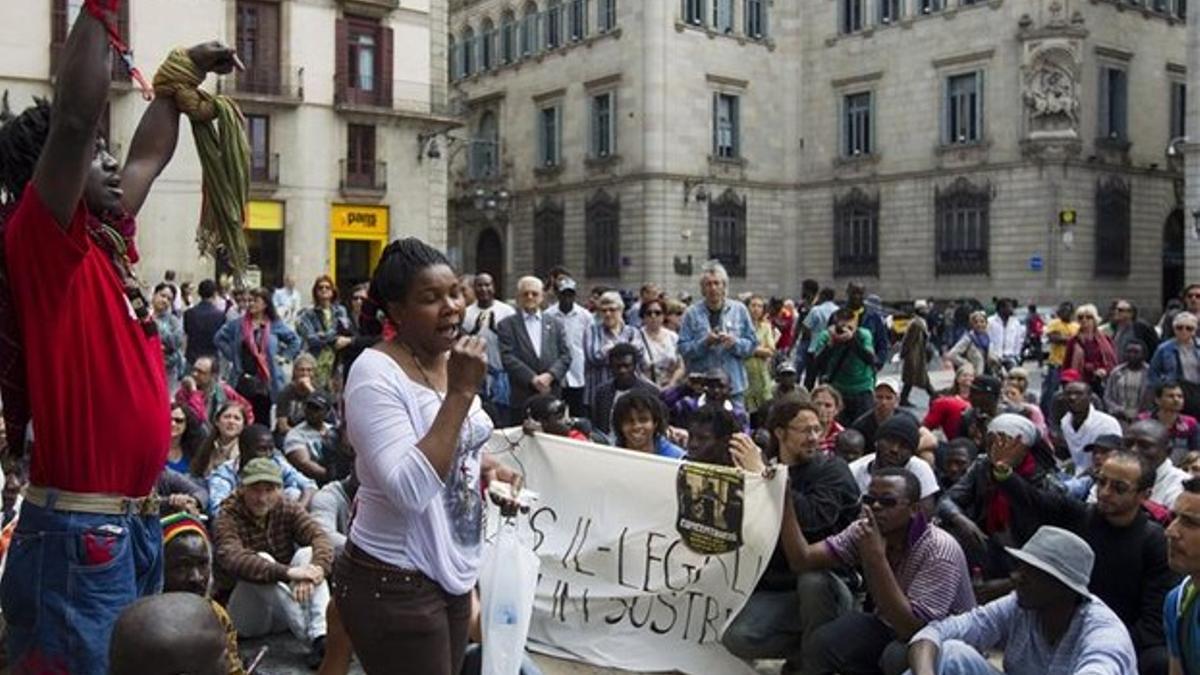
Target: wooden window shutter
[
  {"x": 58, "y": 32},
  {"x": 269, "y": 36},
  {"x": 386, "y": 35},
  {"x": 120, "y": 73},
  {"x": 341, "y": 60}
]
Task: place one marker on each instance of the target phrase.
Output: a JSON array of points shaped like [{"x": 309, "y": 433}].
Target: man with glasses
[
  {"x": 204, "y": 392},
  {"x": 787, "y": 606},
  {"x": 915, "y": 573},
  {"x": 1130, "y": 574},
  {"x": 1125, "y": 327}
]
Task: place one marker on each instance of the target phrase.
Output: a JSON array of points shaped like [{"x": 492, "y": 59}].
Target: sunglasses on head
[{"x": 886, "y": 502}]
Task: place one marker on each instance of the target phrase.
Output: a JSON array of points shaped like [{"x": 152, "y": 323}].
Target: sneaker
[{"x": 317, "y": 654}]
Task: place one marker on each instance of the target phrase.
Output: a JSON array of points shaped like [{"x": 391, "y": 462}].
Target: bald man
[
  {"x": 533, "y": 348},
  {"x": 167, "y": 634},
  {"x": 1150, "y": 439}
]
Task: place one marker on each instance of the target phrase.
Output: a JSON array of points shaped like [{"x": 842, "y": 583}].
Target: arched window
[
  {"x": 485, "y": 148},
  {"x": 529, "y": 20},
  {"x": 962, "y": 228},
  {"x": 547, "y": 236},
  {"x": 1113, "y": 216},
  {"x": 856, "y": 235},
  {"x": 468, "y": 51},
  {"x": 727, "y": 232},
  {"x": 554, "y": 24},
  {"x": 508, "y": 38},
  {"x": 602, "y": 217},
  {"x": 487, "y": 48}
]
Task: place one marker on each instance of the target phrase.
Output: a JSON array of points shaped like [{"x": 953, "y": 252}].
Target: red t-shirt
[
  {"x": 946, "y": 413},
  {"x": 97, "y": 385}
]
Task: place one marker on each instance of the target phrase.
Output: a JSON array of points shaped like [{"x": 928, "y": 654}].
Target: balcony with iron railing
[
  {"x": 269, "y": 85},
  {"x": 402, "y": 98},
  {"x": 264, "y": 170},
  {"x": 362, "y": 178}
]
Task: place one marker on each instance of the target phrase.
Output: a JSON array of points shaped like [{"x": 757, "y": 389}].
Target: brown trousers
[{"x": 399, "y": 621}]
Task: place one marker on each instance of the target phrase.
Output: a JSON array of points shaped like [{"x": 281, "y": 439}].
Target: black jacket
[
  {"x": 1130, "y": 575},
  {"x": 970, "y": 497},
  {"x": 606, "y": 396},
  {"x": 826, "y": 498},
  {"x": 200, "y": 324}
]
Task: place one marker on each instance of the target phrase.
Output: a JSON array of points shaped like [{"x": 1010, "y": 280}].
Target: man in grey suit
[{"x": 533, "y": 349}]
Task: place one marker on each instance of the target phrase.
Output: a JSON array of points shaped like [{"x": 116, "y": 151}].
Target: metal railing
[
  {"x": 264, "y": 170},
  {"x": 366, "y": 176},
  {"x": 406, "y": 96},
  {"x": 284, "y": 83}
]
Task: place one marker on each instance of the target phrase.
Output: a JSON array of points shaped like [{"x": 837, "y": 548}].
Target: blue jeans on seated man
[
  {"x": 872, "y": 647},
  {"x": 960, "y": 658},
  {"x": 776, "y": 624},
  {"x": 67, "y": 577}
]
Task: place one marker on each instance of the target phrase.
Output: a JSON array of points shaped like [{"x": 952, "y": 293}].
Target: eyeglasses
[
  {"x": 654, "y": 312},
  {"x": 178, "y": 420},
  {"x": 870, "y": 501},
  {"x": 1193, "y": 295},
  {"x": 358, "y": 298},
  {"x": 1119, "y": 487},
  {"x": 1187, "y": 327}
]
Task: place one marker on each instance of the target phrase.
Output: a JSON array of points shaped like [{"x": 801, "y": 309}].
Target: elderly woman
[
  {"x": 1178, "y": 360},
  {"x": 601, "y": 337},
  {"x": 1090, "y": 352},
  {"x": 664, "y": 367},
  {"x": 973, "y": 347}
]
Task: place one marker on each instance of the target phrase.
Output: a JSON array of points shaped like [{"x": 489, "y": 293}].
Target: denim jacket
[
  {"x": 1165, "y": 366},
  {"x": 282, "y": 341},
  {"x": 700, "y": 357}
]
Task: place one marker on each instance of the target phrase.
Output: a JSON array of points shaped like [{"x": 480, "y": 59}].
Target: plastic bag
[{"x": 507, "y": 584}]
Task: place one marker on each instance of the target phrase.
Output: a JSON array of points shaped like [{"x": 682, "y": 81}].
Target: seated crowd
[{"x": 1050, "y": 532}]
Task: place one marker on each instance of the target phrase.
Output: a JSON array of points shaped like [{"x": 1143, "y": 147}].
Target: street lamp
[{"x": 491, "y": 202}]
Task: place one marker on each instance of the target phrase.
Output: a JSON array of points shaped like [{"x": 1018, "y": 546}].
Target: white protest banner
[{"x": 644, "y": 560}]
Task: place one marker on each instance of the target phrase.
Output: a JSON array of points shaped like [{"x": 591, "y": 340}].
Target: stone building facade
[
  {"x": 336, "y": 95},
  {"x": 932, "y": 148}
]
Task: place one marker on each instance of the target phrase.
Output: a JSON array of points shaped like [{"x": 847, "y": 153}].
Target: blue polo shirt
[{"x": 1181, "y": 621}]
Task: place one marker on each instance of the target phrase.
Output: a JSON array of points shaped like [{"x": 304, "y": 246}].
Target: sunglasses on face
[
  {"x": 1189, "y": 329},
  {"x": 654, "y": 312},
  {"x": 1118, "y": 487},
  {"x": 1193, "y": 295},
  {"x": 178, "y": 420},
  {"x": 886, "y": 502}
]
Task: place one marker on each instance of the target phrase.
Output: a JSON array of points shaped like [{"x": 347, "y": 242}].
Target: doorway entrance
[
  {"x": 353, "y": 262},
  {"x": 1173, "y": 257},
  {"x": 489, "y": 257}
]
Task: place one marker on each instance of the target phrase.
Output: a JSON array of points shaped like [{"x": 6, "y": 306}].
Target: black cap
[
  {"x": 1105, "y": 442},
  {"x": 986, "y": 384},
  {"x": 317, "y": 399},
  {"x": 901, "y": 427}
]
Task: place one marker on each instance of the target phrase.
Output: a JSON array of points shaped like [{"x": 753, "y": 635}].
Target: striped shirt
[{"x": 932, "y": 574}]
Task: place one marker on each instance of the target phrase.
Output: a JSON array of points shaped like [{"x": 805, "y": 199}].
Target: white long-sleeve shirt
[{"x": 1006, "y": 338}]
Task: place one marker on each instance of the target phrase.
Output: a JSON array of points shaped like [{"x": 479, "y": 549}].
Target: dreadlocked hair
[
  {"x": 22, "y": 138},
  {"x": 399, "y": 264}
]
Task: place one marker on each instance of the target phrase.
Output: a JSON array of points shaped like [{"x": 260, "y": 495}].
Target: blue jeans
[
  {"x": 960, "y": 658},
  {"x": 67, "y": 578}
]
